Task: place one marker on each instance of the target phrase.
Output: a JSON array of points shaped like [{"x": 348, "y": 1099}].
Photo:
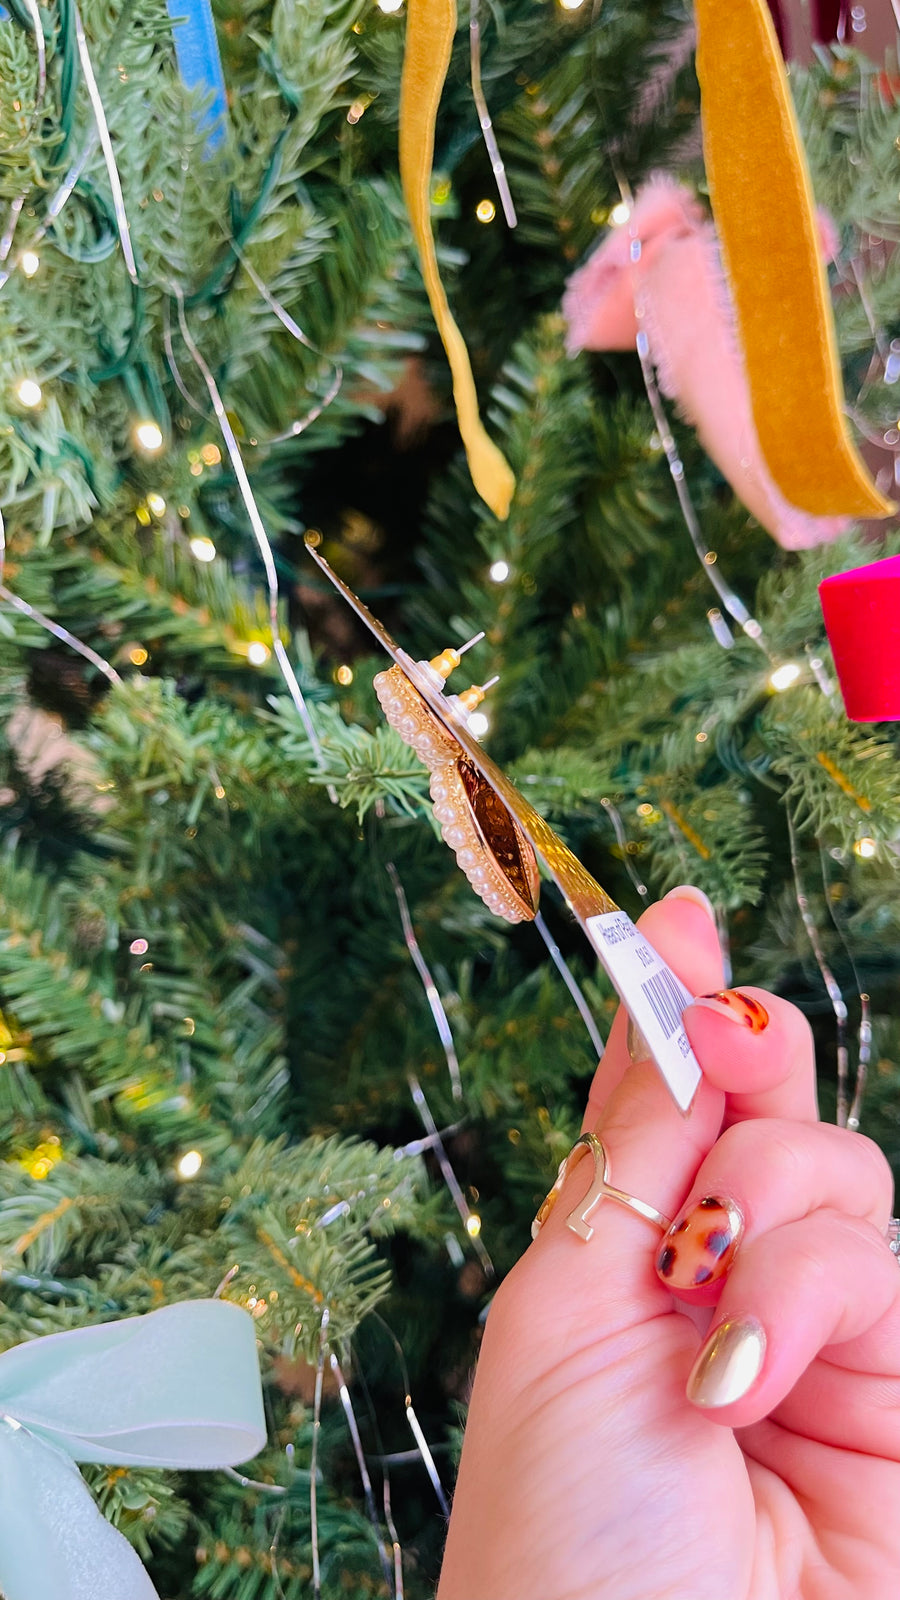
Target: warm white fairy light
[
  {"x": 257, "y": 653},
  {"x": 498, "y": 572},
  {"x": 783, "y": 677},
  {"x": 29, "y": 393},
  {"x": 29, "y": 261},
  {"x": 620, "y": 213},
  {"x": 389, "y": 6},
  {"x": 203, "y": 549},
  {"x": 190, "y": 1164},
  {"x": 148, "y": 435},
  {"x": 473, "y": 1225},
  {"x": 157, "y": 504},
  {"x": 478, "y": 724},
  {"x": 866, "y": 848},
  {"x": 485, "y": 211}
]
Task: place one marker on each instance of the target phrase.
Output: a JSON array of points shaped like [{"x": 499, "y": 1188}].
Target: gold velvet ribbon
[
  {"x": 430, "y": 30},
  {"x": 765, "y": 214}
]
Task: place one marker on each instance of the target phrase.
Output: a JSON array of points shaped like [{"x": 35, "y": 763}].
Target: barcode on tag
[
  {"x": 654, "y": 997},
  {"x": 667, "y": 997}
]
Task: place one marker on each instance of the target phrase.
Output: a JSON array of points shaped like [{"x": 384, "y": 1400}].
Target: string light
[
  {"x": 622, "y": 210},
  {"x": 343, "y": 675},
  {"x": 485, "y": 211},
  {"x": 492, "y": 149},
  {"x": 783, "y": 677},
  {"x": 571, "y": 5},
  {"x": 211, "y": 455},
  {"x": 498, "y": 571},
  {"x": 29, "y": 261},
  {"x": 202, "y": 548},
  {"x": 866, "y": 848},
  {"x": 473, "y": 1225},
  {"x": 138, "y": 655},
  {"x": 148, "y": 435},
  {"x": 29, "y": 393},
  {"x": 157, "y": 504},
  {"x": 190, "y": 1164},
  {"x": 478, "y": 724},
  {"x": 39, "y": 1162},
  {"x": 389, "y": 6},
  {"x": 257, "y": 653},
  {"x": 139, "y": 947}
]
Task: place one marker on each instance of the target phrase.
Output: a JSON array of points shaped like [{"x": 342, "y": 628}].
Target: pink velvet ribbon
[{"x": 678, "y": 283}]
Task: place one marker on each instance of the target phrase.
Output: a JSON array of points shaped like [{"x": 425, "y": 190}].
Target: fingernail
[
  {"x": 699, "y": 1247},
  {"x": 638, "y": 1048},
  {"x": 729, "y": 1363},
  {"x": 737, "y": 1007},
  {"x": 686, "y": 891}
]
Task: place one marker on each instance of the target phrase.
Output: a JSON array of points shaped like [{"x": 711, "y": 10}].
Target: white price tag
[{"x": 653, "y": 996}]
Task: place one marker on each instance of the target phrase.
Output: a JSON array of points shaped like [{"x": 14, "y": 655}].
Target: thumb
[{"x": 653, "y": 1149}]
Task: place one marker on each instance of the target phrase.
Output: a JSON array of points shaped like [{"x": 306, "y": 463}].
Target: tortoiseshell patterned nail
[
  {"x": 699, "y": 1247},
  {"x": 739, "y": 1007}
]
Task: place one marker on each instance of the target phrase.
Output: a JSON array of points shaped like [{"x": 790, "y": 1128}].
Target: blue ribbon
[
  {"x": 177, "y": 1388},
  {"x": 199, "y": 62}
]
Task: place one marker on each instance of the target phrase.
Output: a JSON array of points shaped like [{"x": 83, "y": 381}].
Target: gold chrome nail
[{"x": 728, "y": 1364}]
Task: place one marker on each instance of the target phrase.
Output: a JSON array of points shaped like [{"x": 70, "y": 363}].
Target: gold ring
[{"x": 601, "y": 1189}]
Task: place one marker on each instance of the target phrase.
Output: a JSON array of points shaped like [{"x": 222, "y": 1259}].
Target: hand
[{"x": 587, "y": 1473}]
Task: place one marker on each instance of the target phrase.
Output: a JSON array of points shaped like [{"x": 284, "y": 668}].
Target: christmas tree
[{"x": 258, "y": 1037}]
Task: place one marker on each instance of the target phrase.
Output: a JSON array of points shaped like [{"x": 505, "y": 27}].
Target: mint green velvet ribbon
[{"x": 178, "y": 1388}]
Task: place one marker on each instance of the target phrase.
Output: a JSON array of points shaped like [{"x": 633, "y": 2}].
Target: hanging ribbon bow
[
  {"x": 763, "y": 204},
  {"x": 177, "y": 1388},
  {"x": 675, "y": 282},
  {"x": 200, "y": 64},
  {"x": 430, "y": 30}
]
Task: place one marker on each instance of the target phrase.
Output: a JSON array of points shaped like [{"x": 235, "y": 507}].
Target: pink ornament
[{"x": 675, "y": 280}]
